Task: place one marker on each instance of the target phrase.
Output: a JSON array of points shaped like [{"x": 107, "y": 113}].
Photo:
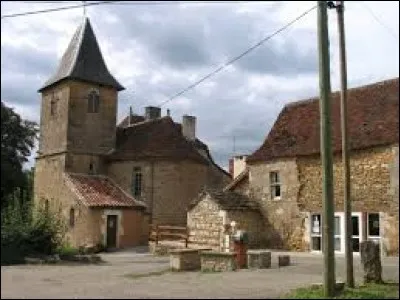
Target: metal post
[
  {"x": 326, "y": 151},
  {"x": 345, "y": 149}
]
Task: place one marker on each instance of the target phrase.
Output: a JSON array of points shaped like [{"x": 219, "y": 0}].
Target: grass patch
[
  {"x": 149, "y": 274},
  {"x": 388, "y": 290}
]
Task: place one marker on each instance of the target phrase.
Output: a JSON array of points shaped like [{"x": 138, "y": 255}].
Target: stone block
[
  {"x": 371, "y": 261},
  {"x": 258, "y": 259},
  {"x": 283, "y": 260},
  {"x": 213, "y": 261},
  {"x": 184, "y": 259}
]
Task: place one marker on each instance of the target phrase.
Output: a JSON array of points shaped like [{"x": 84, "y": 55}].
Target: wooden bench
[{"x": 166, "y": 232}]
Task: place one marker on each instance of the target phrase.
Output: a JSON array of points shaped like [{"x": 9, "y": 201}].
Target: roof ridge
[
  {"x": 353, "y": 89},
  {"x": 148, "y": 121}
]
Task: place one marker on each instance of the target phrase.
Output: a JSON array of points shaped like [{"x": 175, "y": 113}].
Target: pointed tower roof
[{"x": 83, "y": 61}]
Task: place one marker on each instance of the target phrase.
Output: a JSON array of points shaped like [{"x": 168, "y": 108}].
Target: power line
[
  {"x": 55, "y": 9},
  {"x": 238, "y": 57},
  {"x": 379, "y": 21}
]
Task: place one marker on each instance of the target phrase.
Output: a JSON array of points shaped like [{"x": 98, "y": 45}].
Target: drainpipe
[{"x": 152, "y": 192}]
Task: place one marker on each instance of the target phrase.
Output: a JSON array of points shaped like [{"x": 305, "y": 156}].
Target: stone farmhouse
[
  {"x": 284, "y": 174},
  {"x": 109, "y": 181}
]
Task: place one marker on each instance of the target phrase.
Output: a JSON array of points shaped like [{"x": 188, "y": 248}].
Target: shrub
[{"x": 29, "y": 230}]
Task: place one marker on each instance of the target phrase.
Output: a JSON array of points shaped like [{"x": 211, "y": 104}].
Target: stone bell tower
[{"x": 78, "y": 112}]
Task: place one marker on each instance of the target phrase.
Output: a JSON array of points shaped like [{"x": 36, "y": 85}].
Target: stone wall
[
  {"x": 134, "y": 225},
  {"x": 374, "y": 189},
  {"x": 218, "y": 261},
  {"x": 283, "y": 219},
  {"x": 371, "y": 188},
  {"x": 168, "y": 187},
  {"x": 205, "y": 224},
  {"x": 50, "y": 184},
  {"x": 71, "y": 127},
  {"x": 252, "y": 222},
  {"x": 184, "y": 259},
  {"x": 91, "y": 132},
  {"x": 53, "y": 128}
]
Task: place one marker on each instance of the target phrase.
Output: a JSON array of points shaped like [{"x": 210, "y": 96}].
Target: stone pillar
[{"x": 371, "y": 262}]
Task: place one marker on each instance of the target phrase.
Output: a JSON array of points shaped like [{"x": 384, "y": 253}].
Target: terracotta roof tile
[
  {"x": 100, "y": 191},
  {"x": 373, "y": 120}
]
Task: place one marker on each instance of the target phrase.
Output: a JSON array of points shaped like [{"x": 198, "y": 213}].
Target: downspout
[{"x": 152, "y": 192}]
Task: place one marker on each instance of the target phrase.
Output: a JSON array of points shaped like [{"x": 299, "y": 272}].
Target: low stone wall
[
  {"x": 185, "y": 259},
  {"x": 212, "y": 261}
]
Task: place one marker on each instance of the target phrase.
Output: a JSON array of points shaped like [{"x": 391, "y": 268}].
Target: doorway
[{"x": 112, "y": 231}]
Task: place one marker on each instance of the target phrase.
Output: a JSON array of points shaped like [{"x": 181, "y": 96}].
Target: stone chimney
[
  {"x": 231, "y": 166},
  {"x": 152, "y": 112},
  {"x": 130, "y": 115},
  {"x": 239, "y": 164},
  {"x": 189, "y": 127}
]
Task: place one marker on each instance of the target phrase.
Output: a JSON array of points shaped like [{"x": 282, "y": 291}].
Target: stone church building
[{"x": 110, "y": 181}]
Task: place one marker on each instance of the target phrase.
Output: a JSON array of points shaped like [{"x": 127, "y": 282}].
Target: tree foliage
[
  {"x": 30, "y": 230},
  {"x": 18, "y": 137}
]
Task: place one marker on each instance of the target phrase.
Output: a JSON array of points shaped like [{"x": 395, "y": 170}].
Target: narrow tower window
[
  {"x": 93, "y": 101},
  {"x": 53, "y": 107},
  {"x": 72, "y": 217},
  {"x": 137, "y": 181}
]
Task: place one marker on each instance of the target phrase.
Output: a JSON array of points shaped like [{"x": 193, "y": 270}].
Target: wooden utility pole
[
  {"x": 345, "y": 149},
  {"x": 326, "y": 151}
]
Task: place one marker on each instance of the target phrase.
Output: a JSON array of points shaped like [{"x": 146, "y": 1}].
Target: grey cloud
[{"x": 27, "y": 60}]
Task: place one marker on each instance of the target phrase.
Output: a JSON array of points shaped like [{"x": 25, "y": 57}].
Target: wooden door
[{"x": 112, "y": 231}]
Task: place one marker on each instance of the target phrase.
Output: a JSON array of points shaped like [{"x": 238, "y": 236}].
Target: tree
[{"x": 18, "y": 137}]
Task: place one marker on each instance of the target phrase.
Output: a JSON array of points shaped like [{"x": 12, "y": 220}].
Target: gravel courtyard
[{"x": 140, "y": 275}]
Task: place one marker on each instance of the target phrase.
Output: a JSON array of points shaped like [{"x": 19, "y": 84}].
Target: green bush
[
  {"x": 29, "y": 231},
  {"x": 67, "y": 250}
]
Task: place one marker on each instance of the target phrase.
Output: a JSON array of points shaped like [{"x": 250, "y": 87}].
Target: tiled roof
[
  {"x": 83, "y": 61},
  {"x": 157, "y": 138},
  {"x": 134, "y": 119},
  {"x": 242, "y": 176},
  {"x": 373, "y": 120},
  {"x": 100, "y": 191},
  {"x": 227, "y": 200}
]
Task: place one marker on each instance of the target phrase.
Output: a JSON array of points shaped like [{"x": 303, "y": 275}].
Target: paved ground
[{"x": 109, "y": 280}]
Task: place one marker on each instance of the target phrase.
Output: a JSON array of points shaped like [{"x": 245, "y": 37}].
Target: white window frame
[
  {"x": 340, "y": 235},
  {"x": 273, "y": 185},
  {"x": 315, "y": 234},
  {"x": 375, "y": 238}
]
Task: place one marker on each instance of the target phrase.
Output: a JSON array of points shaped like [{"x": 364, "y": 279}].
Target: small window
[
  {"x": 93, "y": 102},
  {"x": 91, "y": 168},
  {"x": 275, "y": 185},
  {"x": 137, "y": 181},
  {"x": 72, "y": 217}
]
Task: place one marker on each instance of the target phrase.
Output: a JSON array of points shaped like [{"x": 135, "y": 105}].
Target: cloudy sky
[{"x": 157, "y": 50}]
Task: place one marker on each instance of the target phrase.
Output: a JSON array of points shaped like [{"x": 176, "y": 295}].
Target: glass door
[
  {"x": 339, "y": 234},
  {"x": 356, "y": 231}
]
